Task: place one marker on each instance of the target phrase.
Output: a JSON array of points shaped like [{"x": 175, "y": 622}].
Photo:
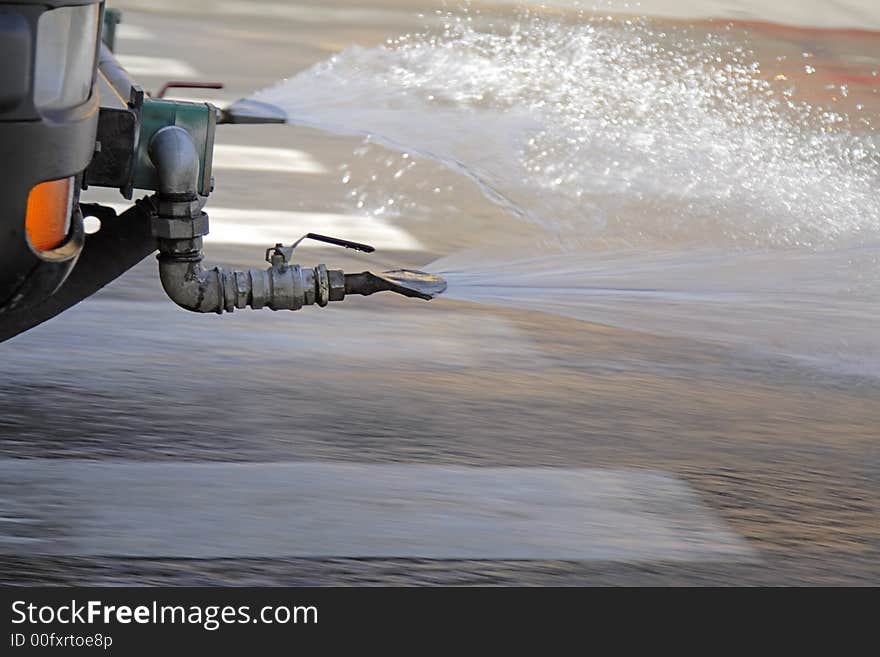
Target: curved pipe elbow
[
  {"x": 173, "y": 152},
  {"x": 192, "y": 287}
]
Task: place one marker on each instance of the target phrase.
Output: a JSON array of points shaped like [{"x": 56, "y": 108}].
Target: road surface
[{"x": 392, "y": 441}]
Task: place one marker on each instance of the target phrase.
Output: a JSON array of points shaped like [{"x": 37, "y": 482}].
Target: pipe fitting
[
  {"x": 198, "y": 289},
  {"x": 173, "y": 153},
  {"x": 180, "y": 224}
]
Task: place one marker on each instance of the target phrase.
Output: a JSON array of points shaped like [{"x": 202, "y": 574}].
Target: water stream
[{"x": 683, "y": 184}]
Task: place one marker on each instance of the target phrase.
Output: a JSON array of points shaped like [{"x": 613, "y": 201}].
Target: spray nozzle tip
[{"x": 408, "y": 282}]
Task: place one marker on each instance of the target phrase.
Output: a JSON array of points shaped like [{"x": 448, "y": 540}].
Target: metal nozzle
[
  {"x": 408, "y": 282},
  {"x": 252, "y": 111}
]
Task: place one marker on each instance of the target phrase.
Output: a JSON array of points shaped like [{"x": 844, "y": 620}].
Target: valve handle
[
  {"x": 336, "y": 241},
  {"x": 284, "y": 253},
  {"x": 408, "y": 282}
]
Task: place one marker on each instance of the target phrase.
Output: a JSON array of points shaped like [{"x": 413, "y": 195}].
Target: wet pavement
[{"x": 780, "y": 457}]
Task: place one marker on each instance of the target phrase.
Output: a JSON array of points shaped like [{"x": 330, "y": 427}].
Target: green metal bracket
[
  {"x": 198, "y": 119},
  {"x": 112, "y": 18}
]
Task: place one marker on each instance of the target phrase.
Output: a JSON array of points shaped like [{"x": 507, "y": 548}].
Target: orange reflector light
[{"x": 48, "y": 214}]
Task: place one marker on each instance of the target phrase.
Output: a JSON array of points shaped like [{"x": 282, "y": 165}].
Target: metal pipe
[
  {"x": 290, "y": 287},
  {"x": 174, "y": 154},
  {"x": 180, "y": 225},
  {"x": 179, "y": 228}
]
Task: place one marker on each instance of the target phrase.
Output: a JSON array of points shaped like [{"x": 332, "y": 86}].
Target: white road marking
[
  {"x": 261, "y": 158},
  {"x": 216, "y": 510},
  {"x": 262, "y": 227},
  {"x": 854, "y": 14},
  {"x": 129, "y": 32},
  {"x": 19, "y": 521},
  {"x": 268, "y": 227},
  {"x": 337, "y": 344},
  {"x": 321, "y": 15},
  {"x": 19, "y": 540},
  {"x": 839, "y": 14},
  {"x": 173, "y": 94},
  {"x": 157, "y": 66}
]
